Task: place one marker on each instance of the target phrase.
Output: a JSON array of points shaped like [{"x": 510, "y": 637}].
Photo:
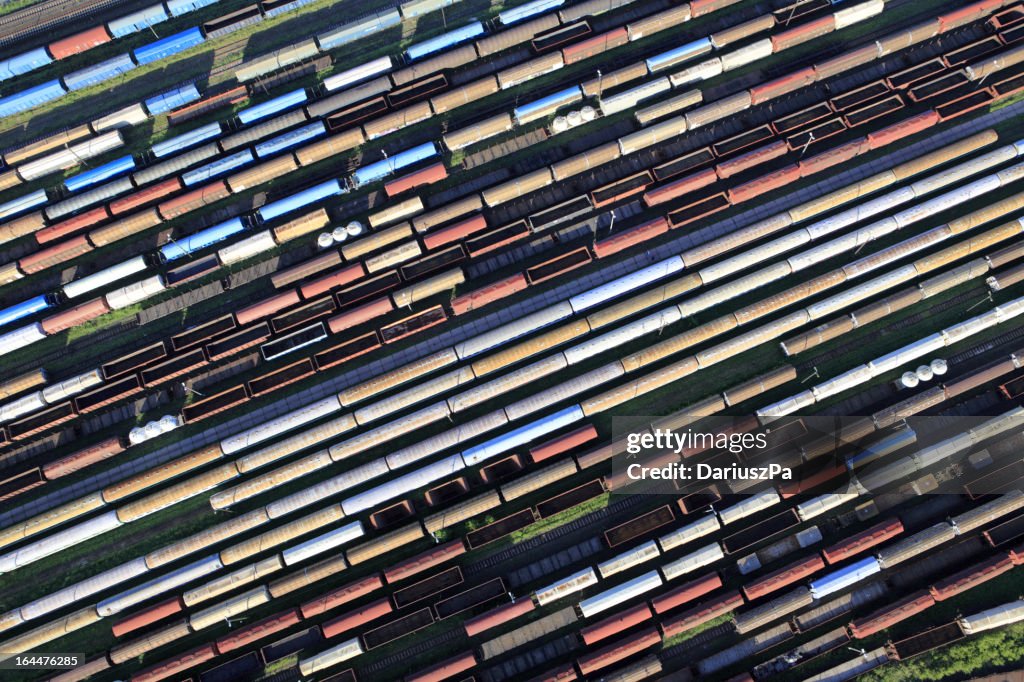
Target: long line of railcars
[
  {"x": 868, "y": 9},
  {"x": 399, "y": 376},
  {"x": 378, "y": 70},
  {"x": 834, "y": 554},
  {"x": 361, "y": 71},
  {"x": 610, "y": 626},
  {"x": 169, "y": 46},
  {"x": 28, "y": 310},
  {"x": 380, "y": 67},
  {"x": 476, "y": 454},
  {"x": 829, "y": 584},
  {"x": 289, "y": 583},
  {"x": 70, "y": 385},
  {"x": 93, "y": 215},
  {"x": 171, "y": 209},
  {"x": 901, "y": 650},
  {"x": 178, "y": 249},
  {"x": 357, "y": 504},
  {"x": 964, "y": 626},
  {"x": 83, "y": 41},
  {"x": 989, "y": 568},
  {"x": 420, "y": 563},
  {"x": 965, "y": 526},
  {"x": 723, "y": 173}
]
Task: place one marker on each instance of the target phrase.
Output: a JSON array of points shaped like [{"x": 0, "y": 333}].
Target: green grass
[
  {"x": 12, "y": 6},
  {"x": 1006, "y": 101},
  {"x": 561, "y": 518},
  {"x": 103, "y": 321},
  {"x": 989, "y": 652},
  {"x": 457, "y": 157},
  {"x": 689, "y": 634},
  {"x": 281, "y": 665}
]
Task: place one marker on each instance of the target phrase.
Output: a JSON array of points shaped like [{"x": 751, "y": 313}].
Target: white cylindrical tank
[
  {"x": 909, "y": 380},
  {"x": 339, "y": 234},
  {"x": 698, "y": 529},
  {"x": 59, "y": 541},
  {"x": 16, "y": 408},
  {"x": 569, "y": 585},
  {"x": 250, "y": 247},
  {"x": 331, "y": 657},
  {"x": 750, "y": 505},
  {"x": 21, "y": 337},
  {"x": 612, "y": 597},
  {"x": 939, "y": 366},
  {"x": 135, "y": 292},
  {"x": 822, "y": 503},
  {"x": 924, "y": 373},
  {"x": 997, "y": 617},
  {"x": 104, "y": 277},
  {"x": 325, "y": 240},
  {"x": 169, "y": 423},
  {"x": 693, "y": 561},
  {"x": 354, "y": 228},
  {"x": 63, "y": 390}
]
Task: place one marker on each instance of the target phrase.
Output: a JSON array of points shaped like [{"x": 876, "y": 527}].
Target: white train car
[
  {"x": 615, "y": 596},
  {"x": 572, "y": 584}
]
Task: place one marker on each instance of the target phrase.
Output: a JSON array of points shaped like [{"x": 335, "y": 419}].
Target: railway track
[
  {"x": 971, "y": 296},
  {"x": 44, "y": 16},
  {"x": 697, "y": 642},
  {"x": 409, "y": 652},
  {"x": 525, "y": 549}
]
